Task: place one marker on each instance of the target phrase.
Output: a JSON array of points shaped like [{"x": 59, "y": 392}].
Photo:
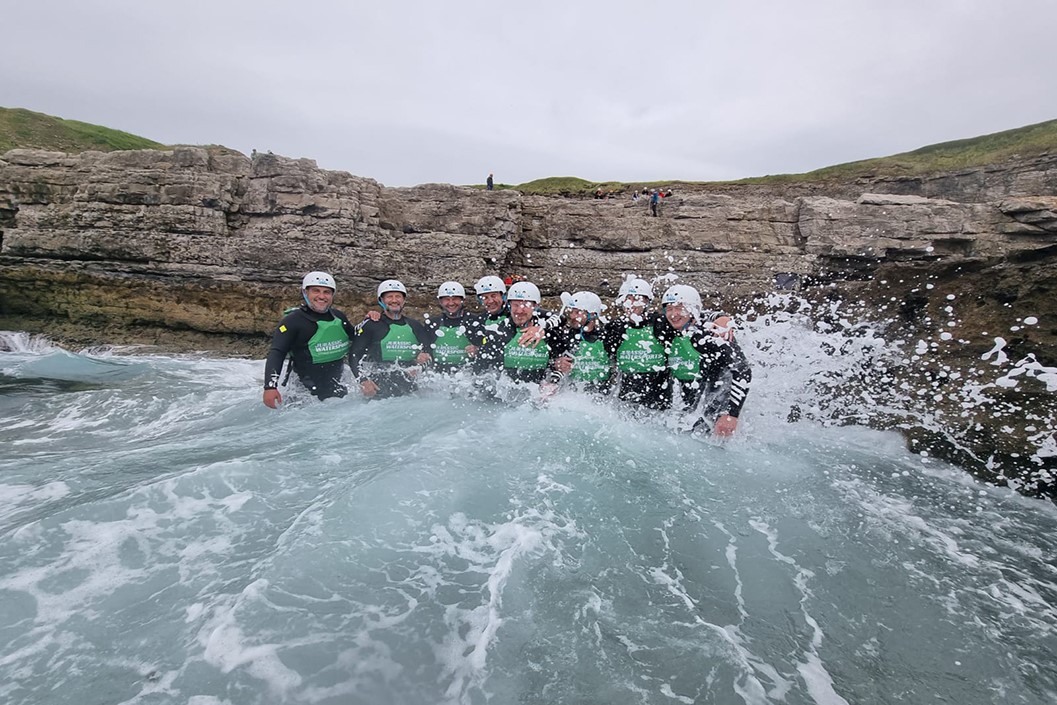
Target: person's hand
[
  {"x": 531, "y": 337},
  {"x": 723, "y": 328},
  {"x": 368, "y": 388},
  {"x": 471, "y": 350},
  {"x": 373, "y": 315},
  {"x": 423, "y": 358},
  {"x": 272, "y": 398},
  {"x": 563, "y": 364},
  {"x": 725, "y": 425}
]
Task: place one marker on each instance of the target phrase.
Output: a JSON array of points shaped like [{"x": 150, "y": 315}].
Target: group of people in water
[{"x": 680, "y": 357}]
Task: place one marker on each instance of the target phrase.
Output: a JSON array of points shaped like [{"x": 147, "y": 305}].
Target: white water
[{"x": 168, "y": 539}]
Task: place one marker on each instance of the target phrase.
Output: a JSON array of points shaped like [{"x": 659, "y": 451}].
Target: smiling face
[
  {"x": 677, "y": 315},
  {"x": 394, "y": 303},
  {"x": 319, "y": 298},
  {"x": 492, "y": 302},
  {"x": 521, "y": 312},
  {"x": 451, "y": 304}
]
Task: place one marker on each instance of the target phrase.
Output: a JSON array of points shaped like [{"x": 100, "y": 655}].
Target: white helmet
[
  {"x": 524, "y": 291},
  {"x": 318, "y": 279},
  {"x": 489, "y": 284},
  {"x": 451, "y": 289},
  {"x": 635, "y": 287},
  {"x": 585, "y": 301},
  {"x": 391, "y": 285},
  {"x": 682, "y": 294}
]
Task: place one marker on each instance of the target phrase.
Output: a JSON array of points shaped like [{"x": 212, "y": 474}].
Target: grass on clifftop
[
  {"x": 1028, "y": 141},
  {"x": 20, "y": 128}
]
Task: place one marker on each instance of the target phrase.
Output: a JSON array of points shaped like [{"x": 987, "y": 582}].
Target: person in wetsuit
[
  {"x": 491, "y": 294},
  {"x": 635, "y": 341},
  {"x": 707, "y": 365},
  {"x": 458, "y": 333},
  {"x": 581, "y": 353},
  {"x": 387, "y": 354},
  {"x": 316, "y": 338}
]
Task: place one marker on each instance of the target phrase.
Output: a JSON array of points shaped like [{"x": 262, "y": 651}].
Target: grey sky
[{"x": 447, "y": 91}]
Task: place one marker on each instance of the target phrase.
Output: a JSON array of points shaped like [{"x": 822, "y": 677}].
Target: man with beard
[
  {"x": 458, "y": 333},
  {"x": 387, "y": 354}
]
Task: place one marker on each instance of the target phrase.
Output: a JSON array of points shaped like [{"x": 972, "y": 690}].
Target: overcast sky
[{"x": 450, "y": 90}]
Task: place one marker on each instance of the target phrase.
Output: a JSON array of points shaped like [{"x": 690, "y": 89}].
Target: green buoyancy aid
[
  {"x": 330, "y": 342},
  {"x": 400, "y": 343},
  {"x": 518, "y": 357},
  {"x": 450, "y": 348},
  {"x": 592, "y": 362},
  {"x": 640, "y": 352},
  {"x": 684, "y": 360}
]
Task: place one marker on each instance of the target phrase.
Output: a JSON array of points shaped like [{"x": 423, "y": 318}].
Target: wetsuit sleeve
[
  {"x": 426, "y": 336},
  {"x": 663, "y": 330},
  {"x": 612, "y": 337},
  {"x": 559, "y": 340},
  {"x": 720, "y": 356},
  {"x": 495, "y": 338},
  {"x": 358, "y": 347},
  {"x": 549, "y": 321},
  {"x": 283, "y": 341}
]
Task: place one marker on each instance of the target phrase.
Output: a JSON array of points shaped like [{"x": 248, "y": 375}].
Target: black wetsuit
[
  {"x": 383, "y": 348},
  {"x": 317, "y": 343},
  {"x": 638, "y": 346},
  {"x": 452, "y": 334}
]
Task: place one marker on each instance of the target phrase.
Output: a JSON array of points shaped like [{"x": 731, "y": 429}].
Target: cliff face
[{"x": 204, "y": 248}]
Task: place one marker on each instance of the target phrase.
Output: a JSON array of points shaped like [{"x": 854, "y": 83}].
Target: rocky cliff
[{"x": 203, "y": 248}]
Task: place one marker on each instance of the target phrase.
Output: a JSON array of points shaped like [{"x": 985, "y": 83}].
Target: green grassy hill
[
  {"x": 1028, "y": 141},
  {"x": 25, "y": 128}
]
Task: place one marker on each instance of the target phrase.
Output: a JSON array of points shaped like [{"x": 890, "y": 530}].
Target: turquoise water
[{"x": 168, "y": 539}]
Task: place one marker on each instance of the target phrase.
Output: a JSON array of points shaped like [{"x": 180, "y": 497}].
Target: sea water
[{"x": 168, "y": 539}]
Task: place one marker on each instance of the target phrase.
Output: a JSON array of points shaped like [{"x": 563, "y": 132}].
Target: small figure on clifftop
[
  {"x": 489, "y": 184},
  {"x": 655, "y": 200}
]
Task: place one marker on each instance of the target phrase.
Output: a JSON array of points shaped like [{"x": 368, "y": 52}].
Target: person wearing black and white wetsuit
[{"x": 708, "y": 366}]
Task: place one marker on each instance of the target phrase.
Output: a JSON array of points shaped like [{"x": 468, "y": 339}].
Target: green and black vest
[
  {"x": 640, "y": 351},
  {"x": 518, "y": 357},
  {"x": 330, "y": 342},
  {"x": 684, "y": 361},
  {"x": 450, "y": 347},
  {"x": 592, "y": 362},
  {"x": 400, "y": 343}
]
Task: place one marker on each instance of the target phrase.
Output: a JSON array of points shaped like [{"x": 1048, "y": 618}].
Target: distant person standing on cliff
[
  {"x": 655, "y": 201},
  {"x": 316, "y": 337},
  {"x": 490, "y": 183}
]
